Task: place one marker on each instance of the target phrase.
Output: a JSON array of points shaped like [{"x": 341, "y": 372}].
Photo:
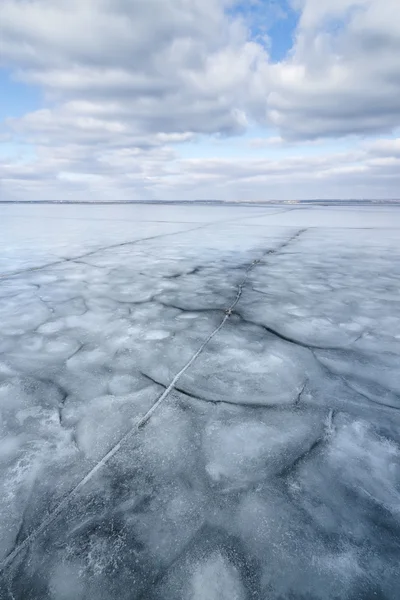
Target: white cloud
[
  {"x": 167, "y": 66},
  {"x": 123, "y": 173},
  {"x": 126, "y": 79},
  {"x": 266, "y": 142},
  {"x": 343, "y": 75}
]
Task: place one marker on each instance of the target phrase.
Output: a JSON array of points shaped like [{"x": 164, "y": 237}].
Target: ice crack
[
  {"x": 228, "y": 314},
  {"x": 139, "y": 424}
]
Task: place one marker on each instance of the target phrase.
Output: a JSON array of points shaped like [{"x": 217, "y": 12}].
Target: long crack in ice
[{"x": 143, "y": 420}]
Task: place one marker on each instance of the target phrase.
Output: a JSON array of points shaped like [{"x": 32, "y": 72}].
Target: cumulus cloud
[
  {"x": 126, "y": 82},
  {"x": 343, "y": 74},
  {"x": 155, "y": 65}
]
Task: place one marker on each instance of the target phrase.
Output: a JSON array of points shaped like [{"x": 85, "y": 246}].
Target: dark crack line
[
  {"x": 188, "y": 310},
  {"x": 314, "y": 448},
  {"x": 152, "y": 380},
  {"x": 81, "y": 347},
  {"x": 5, "y": 276},
  {"x": 251, "y": 406},
  {"x": 98, "y": 250},
  {"x": 193, "y": 271},
  {"x": 368, "y": 397},
  {"x": 284, "y": 337},
  {"x": 87, "y": 264},
  {"x": 215, "y": 402},
  {"x": 263, "y": 293},
  {"x": 131, "y": 302},
  {"x": 346, "y": 383},
  {"x": 299, "y": 397},
  {"x": 199, "y": 398}
]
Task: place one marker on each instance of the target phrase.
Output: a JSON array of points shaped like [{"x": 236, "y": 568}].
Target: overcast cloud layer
[{"x": 144, "y": 98}]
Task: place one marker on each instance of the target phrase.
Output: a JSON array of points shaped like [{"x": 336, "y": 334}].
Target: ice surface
[{"x": 271, "y": 468}]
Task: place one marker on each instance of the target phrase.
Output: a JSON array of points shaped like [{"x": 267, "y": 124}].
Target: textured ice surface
[{"x": 270, "y": 471}]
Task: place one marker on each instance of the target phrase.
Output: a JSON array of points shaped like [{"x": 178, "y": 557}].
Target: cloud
[
  {"x": 343, "y": 74},
  {"x": 77, "y": 173},
  {"x": 126, "y": 82},
  {"x": 266, "y": 142},
  {"x": 155, "y": 65}
]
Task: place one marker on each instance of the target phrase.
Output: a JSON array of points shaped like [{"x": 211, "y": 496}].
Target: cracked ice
[{"x": 258, "y": 347}]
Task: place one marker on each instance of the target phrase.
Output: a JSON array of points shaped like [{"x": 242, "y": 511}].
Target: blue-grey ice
[{"x": 199, "y": 403}]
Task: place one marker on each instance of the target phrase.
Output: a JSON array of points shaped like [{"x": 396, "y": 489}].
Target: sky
[{"x": 105, "y": 100}]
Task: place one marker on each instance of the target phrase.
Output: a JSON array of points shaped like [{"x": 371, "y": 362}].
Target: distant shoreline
[{"x": 214, "y": 202}]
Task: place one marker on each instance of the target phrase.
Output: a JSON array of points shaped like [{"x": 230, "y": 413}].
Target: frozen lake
[{"x": 199, "y": 403}]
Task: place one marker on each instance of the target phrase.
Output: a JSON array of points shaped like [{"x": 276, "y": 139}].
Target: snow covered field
[{"x": 199, "y": 403}]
